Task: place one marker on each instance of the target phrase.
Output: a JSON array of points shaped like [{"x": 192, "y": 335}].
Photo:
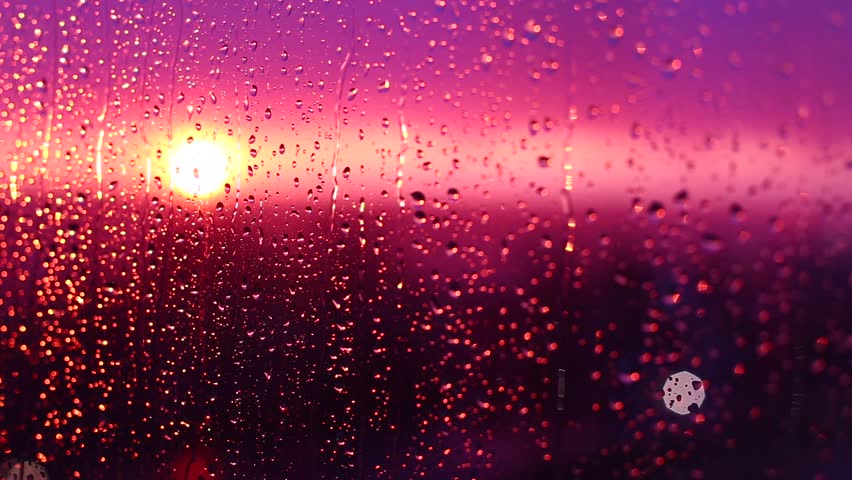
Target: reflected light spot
[{"x": 199, "y": 168}]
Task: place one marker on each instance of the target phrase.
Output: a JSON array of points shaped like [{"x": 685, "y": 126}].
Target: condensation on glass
[{"x": 442, "y": 239}]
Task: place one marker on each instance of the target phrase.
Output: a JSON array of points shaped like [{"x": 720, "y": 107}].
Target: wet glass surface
[{"x": 439, "y": 239}]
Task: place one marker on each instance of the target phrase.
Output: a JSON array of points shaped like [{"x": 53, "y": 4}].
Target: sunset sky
[{"x": 368, "y": 239}]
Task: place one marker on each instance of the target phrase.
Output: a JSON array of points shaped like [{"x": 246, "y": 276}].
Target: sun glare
[{"x": 199, "y": 168}]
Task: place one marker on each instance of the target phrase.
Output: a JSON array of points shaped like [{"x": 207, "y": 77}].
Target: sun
[{"x": 199, "y": 168}]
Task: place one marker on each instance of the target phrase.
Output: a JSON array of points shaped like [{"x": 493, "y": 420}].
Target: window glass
[{"x": 439, "y": 239}]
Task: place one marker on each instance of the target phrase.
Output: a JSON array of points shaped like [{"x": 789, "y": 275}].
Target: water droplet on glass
[
  {"x": 656, "y": 210},
  {"x": 534, "y": 127},
  {"x": 419, "y": 198},
  {"x": 711, "y": 242},
  {"x": 591, "y": 216},
  {"x": 737, "y": 212},
  {"x": 681, "y": 198}
]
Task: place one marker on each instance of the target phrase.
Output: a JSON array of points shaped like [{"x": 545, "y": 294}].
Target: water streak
[
  {"x": 403, "y": 149},
  {"x": 335, "y": 158}
]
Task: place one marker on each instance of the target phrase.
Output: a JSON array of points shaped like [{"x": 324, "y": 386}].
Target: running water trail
[
  {"x": 566, "y": 199},
  {"x": 562, "y": 334},
  {"x": 99, "y": 162},
  {"x": 403, "y": 149},
  {"x": 55, "y": 93},
  {"x": 324, "y": 312},
  {"x": 335, "y": 158},
  {"x": 99, "y": 155}
]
